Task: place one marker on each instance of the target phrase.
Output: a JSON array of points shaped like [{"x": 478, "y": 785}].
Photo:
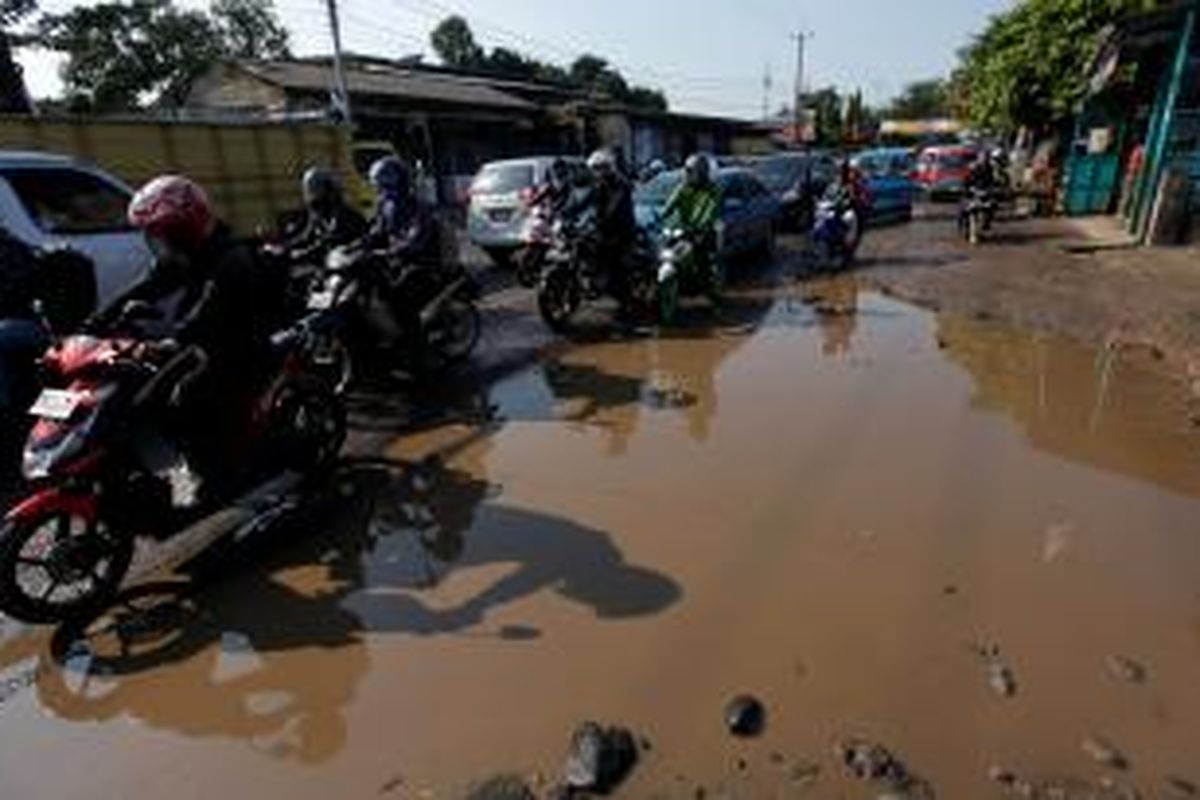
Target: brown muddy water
[{"x": 855, "y": 513}]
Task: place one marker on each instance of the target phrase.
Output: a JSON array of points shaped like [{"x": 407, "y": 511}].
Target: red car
[{"x": 942, "y": 171}]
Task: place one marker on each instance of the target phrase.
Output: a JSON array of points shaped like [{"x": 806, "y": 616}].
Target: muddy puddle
[{"x": 972, "y": 545}]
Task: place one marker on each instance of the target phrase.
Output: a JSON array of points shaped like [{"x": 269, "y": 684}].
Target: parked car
[
  {"x": 49, "y": 200},
  {"x": 941, "y": 171},
  {"x": 499, "y": 203},
  {"x": 789, "y": 177},
  {"x": 749, "y": 212},
  {"x": 889, "y": 175}
]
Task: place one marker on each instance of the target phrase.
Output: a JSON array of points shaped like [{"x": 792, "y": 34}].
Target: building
[
  {"x": 1136, "y": 145},
  {"x": 453, "y": 122}
]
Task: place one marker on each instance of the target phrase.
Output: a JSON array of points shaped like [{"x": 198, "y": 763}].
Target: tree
[
  {"x": 455, "y": 45},
  {"x": 1030, "y": 65},
  {"x": 123, "y": 56},
  {"x": 826, "y": 105},
  {"x": 857, "y": 119},
  {"x": 13, "y": 97},
  {"x": 250, "y": 29},
  {"x": 922, "y": 100}
]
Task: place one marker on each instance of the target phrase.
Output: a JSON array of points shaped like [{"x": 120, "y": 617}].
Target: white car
[{"x": 49, "y": 200}]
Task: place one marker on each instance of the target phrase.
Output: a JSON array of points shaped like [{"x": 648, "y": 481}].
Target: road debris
[
  {"x": 1057, "y": 541},
  {"x": 1125, "y": 669},
  {"x": 1104, "y": 752},
  {"x": 874, "y": 763},
  {"x": 745, "y": 716},
  {"x": 1181, "y": 788},
  {"x": 1000, "y": 677},
  {"x": 501, "y": 787},
  {"x": 599, "y": 758}
]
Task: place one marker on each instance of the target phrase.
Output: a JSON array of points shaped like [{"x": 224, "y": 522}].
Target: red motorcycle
[{"x": 104, "y": 473}]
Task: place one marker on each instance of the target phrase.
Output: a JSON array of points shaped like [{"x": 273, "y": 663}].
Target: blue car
[
  {"x": 889, "y": 174},
  {"x": 749, "y": 212}
]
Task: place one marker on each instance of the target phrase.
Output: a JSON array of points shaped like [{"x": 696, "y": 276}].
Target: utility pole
[
  {"x": 341, "y": 95},
  {"x": 797, "y": 103},
  {"x": 766, "y": 98}
]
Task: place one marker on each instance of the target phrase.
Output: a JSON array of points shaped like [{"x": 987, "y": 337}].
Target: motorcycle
[
  {"x": 679, "y": 272},
  {"x": 834, "y": 238},
  {"x": 572, "y": 274},
  {"x": 103, "y": 473},
  {"x": 369, "y": 311},
  {"x": 978, "y": 211},
  {"x": 537, "y": 238}
]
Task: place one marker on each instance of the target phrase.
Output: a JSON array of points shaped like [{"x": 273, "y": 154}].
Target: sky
[{"x": 710, "y": 56}]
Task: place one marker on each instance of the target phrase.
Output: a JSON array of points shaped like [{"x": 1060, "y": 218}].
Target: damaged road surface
[{"x": 637, "y": 529}]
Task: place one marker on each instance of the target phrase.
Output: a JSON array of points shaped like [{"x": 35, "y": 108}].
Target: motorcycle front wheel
[
  {"x": 668, "y": 300},
  {"x": 56, "y": 566},
  {"x": 558, "y": 299},
  {"x": 529, "y": 266},
  {"x": 973, "y": 226},
  {"x": 309, "y": 422},
  {"x": 455, "y": 331}
]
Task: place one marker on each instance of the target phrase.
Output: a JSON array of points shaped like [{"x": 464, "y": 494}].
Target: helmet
[
  {"x": 602, "y": 162},
  {"x": 174, "y": 211},
  {"x": 560, "y": 172},
  {"x": 321, "y": 187},
  {"x": 697, "y": 169},
  {"x": 390, "y": 175}
]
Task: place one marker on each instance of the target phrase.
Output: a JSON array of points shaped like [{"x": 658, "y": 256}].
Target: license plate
[
  {"x": 56, "y": 404},
  {"x": 320, "y": 301},
  {"x": 500, "y": 215}
]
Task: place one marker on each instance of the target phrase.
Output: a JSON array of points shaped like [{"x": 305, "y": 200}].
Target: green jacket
[{"x": 696, "y": 209}]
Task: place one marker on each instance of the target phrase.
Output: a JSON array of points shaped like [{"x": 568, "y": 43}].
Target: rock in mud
[
  {"x": 745, "y": 716},
  {"x": 1125, "y": 669},
  {"x": 1000, "y": 676},
  {"x": 1181, "y": 788},
  {"x": 599, "y": 759},
  {"x": 1104, "y": 753},
  {"x": 803, "y": 774},
  {"x": 502, "y": 787},
  {"x": 872, "y": 762}
]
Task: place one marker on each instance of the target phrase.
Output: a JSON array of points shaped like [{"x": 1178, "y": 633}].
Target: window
[
  {"x": 503, "y": 179},
  {"x": 70, "y": 201}
]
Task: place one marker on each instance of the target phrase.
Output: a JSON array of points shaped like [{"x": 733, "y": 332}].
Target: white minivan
[
  {"x": 48, "y": 200},
  {"x": 499, "y": 202}
]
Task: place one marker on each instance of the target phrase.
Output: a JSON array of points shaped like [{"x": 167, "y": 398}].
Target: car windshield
[
  {"x": 70, "y": 201},
  {"x": 659, "y": 190},
  {"x": 779, "y": 174},
  {"x": 954, "y": 160},
  {"x": 503, "y": 178}
]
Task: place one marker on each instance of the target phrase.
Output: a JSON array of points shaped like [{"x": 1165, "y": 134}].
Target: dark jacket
[
  {"x": 612, "y": 203},
  {"x": 231, "y": 301},
  {"x": 18, "y": 276},
  {"x": 340, "y": 226},
  {"x": 407, "y": 230}
]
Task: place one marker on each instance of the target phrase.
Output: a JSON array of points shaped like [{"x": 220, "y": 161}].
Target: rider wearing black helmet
[
  {"x": 402, "y": 225},
  {"x": 329, "y": 221}
]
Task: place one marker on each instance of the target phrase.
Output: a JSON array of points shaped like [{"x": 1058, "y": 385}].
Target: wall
[{"x": 251, "y": 172}]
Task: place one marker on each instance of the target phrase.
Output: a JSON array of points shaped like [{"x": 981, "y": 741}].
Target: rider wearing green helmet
[{"x": 696, "y": 207}]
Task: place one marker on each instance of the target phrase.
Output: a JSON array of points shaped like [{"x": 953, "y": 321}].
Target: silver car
[{"x": 500, "y": 202}]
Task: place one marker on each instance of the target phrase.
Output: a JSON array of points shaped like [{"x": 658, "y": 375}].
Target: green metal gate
[{"x": 1091, "y": 183}]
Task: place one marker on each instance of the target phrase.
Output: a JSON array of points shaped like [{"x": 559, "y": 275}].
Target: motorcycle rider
[
  {"x": 983, "y": 179},
  {"x": 556, "y": 191},
  {"x": 402, "y": 226},
  {"x": 695, "y": 206},
  {"x": 849, "y": 193},
  {"x": 653, "y": 170},
  {"x": 611, "y": 199},
  {"x": 20, "y": 333},
  {"x": 227, "y": 304},
  {"x": 329, "y": 221}
]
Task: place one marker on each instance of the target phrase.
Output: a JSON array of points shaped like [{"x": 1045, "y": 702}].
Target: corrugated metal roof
[{"x": 386, "y": 81}]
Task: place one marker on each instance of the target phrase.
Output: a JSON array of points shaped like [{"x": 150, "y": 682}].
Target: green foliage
[
  {"x": 250, "y": 29},
  {"x": 828, "y": 123},
  {"x": 1030, "y": 66},
  {"x": 455, "y": 45},
  {"x": 921, "y": 100},
  {"x": 123, "y": 56}
]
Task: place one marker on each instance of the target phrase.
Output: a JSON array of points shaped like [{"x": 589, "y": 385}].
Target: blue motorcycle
[{"x": 835, "y": 235}]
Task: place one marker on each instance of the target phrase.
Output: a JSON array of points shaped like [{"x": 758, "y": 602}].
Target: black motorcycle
[
  {"x": 573, "y": 274},
  {"x": 375, "y": 313},
  {"x": 977, "y": 214}
]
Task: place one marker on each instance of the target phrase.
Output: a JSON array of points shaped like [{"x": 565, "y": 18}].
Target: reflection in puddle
[{"x": 649, "y": 527}]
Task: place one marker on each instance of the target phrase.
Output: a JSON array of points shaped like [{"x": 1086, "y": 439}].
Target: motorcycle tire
[
  {"x": 39, "y": 608},
  {"x": 529, "y": 267},
  {"x": 558, "y": 299},
  {"x": 331, "y": 362},
  {"x": 668, "y": 301},
  {"x": 456, "y": 332},
  {"x": 311, "y": 410},
  {"x": 973, "y": 226}
]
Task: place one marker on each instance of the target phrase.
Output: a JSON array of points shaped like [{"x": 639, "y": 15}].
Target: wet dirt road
[{"x": 849, "y": 507}]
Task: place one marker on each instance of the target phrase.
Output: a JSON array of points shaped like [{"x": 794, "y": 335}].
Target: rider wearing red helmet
[{"x": 220, "y": 297}]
